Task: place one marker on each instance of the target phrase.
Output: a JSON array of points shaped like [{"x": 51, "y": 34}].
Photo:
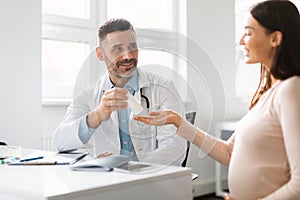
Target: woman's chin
[{"x": 249, "y": 61}]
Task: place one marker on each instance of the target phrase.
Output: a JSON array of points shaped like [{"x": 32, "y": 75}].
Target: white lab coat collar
[{"x": 143, "y": 79}]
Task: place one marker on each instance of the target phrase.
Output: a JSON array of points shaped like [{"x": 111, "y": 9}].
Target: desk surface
[{"x": 60, "y": 182}]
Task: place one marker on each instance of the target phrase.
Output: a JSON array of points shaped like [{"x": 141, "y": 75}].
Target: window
[
  {"x": 247, "y": 75},
  {"x": 159, "y": 20},
  {"x": 146, "y": 15},
  {"x": 156, "y": 14},
  {"x": 61, "y": 63},
  {"x": 80, "y": 8},
  {"x": 70, "y": 35}
]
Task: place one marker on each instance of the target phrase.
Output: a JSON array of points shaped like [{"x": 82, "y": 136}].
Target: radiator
[{"x": 47, "y": 141}]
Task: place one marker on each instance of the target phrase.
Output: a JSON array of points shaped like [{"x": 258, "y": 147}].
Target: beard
[{"x": 115, "y": 68}]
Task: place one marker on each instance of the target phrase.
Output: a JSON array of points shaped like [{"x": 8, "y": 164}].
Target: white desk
[{"x": 61, "y": 183}]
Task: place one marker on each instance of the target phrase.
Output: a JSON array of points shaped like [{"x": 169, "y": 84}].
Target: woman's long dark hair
[{"x": 283, "y": 16}]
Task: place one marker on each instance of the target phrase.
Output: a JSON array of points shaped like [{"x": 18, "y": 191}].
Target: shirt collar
[{"x": 132, "y": 85}]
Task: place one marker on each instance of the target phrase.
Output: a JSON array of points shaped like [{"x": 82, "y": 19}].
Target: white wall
[
  {"x": 20, "y": 77},
  {"x": 52, "y": 115}
]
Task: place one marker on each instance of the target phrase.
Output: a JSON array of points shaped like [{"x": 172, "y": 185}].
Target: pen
[
  {"x": 30, "y": 159},
  {"x": 77, "y": 159}
]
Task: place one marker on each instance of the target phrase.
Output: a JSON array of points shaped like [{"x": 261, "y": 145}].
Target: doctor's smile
[{"x": 127, "y": 65}]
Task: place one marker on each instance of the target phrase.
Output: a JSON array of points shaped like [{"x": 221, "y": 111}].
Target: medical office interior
[{"x": 46, "y": 44}]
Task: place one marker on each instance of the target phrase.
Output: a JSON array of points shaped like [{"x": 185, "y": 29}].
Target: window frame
[{"x": 70, "y": 29}]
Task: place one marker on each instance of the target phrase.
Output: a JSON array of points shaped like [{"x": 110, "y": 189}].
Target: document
[{"x": 50, "y": 158}]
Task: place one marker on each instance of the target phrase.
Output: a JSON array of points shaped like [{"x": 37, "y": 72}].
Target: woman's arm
[
  {"x": 216, "y": 148},
  {"x": 287, "y": 106}
]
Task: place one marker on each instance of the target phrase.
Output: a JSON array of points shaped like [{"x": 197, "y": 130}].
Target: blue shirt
[{"x": 127, "y": 148}]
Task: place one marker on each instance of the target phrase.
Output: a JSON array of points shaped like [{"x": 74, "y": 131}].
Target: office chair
[{"x": 190, "y": 117}]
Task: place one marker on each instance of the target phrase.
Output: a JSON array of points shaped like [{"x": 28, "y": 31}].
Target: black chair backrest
[{"x": 190, "y": 117}]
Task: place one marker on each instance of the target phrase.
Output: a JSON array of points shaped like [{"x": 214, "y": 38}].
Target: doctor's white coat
[{"x": 152, "y": 144}]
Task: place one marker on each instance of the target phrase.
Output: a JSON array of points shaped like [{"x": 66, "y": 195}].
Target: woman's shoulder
[
  {"x": 292, "y": 83},
  {"x": 289, "y": 87}
]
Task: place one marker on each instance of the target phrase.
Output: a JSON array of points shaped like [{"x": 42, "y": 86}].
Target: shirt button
[{"x": 124, "y": 142}]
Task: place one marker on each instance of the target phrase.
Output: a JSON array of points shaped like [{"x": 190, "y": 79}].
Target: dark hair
[
  {"x": 114, "y": 25},
  {"x": 283, "y": 16}
]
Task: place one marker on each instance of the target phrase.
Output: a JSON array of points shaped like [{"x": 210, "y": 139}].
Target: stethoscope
[{"x": 146, "y": 98}]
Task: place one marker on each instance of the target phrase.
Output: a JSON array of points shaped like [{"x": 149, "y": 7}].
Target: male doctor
[{"x": 103, "y": 111}]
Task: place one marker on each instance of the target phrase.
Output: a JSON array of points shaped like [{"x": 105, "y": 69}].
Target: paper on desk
[{"x": 53, "y": 158}]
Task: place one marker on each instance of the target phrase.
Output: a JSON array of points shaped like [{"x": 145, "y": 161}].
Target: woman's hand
[{"x": 161, "y": 118}]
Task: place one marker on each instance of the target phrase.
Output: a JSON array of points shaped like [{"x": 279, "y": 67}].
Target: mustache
[{"x": 126, "y": 61}]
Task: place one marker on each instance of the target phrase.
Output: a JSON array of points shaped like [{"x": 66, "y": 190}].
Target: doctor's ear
[
  {"x": 100, "y": 54},
  {"x": 276, "y": 38}
]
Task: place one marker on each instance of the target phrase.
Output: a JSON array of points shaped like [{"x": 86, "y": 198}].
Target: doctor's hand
[
  {"x": 161, "y": 118},
  {"x": 112, "y": 100},
  {"x": 104, "y": 154}
]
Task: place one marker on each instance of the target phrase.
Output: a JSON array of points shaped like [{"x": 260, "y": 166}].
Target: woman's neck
[{"x": 274, "y": 80}]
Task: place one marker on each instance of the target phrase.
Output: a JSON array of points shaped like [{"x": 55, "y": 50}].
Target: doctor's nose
[{"x": 127, "y": 55}]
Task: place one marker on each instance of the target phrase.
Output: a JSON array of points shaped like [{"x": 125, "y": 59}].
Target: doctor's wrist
[{"x": 92, "y": 120}]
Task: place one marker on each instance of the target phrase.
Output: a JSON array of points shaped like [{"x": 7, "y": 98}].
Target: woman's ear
[
  {"x": 99, "y": 54},
  {"x": 276, "y": 38}
]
